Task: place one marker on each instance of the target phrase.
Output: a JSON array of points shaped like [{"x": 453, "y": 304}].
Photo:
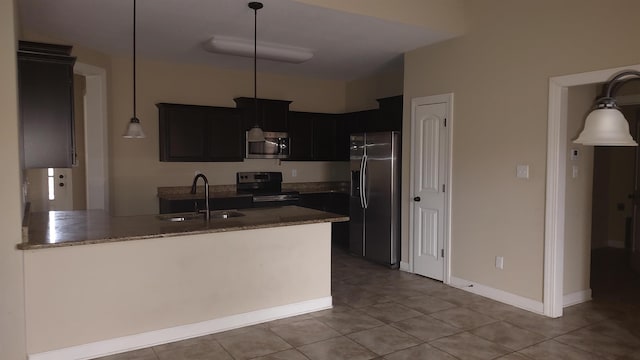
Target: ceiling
[{"x": 346, "y": 46}]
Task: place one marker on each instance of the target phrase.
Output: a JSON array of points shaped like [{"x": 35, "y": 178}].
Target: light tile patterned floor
[{"x": 385, "y": 314}]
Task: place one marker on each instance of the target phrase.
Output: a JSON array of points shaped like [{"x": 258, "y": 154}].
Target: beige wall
[
  {"x": 105, "y": 291},
  {"x": 12, "y": 323},
  {"x": 577, "y": 230},
  {"x": 499, "y": 72},
  {"x": 361, "y": 94}
]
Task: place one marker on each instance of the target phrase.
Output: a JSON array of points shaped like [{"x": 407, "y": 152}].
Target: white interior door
[{"x": 429, "y": 186}]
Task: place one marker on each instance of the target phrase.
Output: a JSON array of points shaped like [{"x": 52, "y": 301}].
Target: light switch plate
[
  {"x": 574, "y": 154},
  {"x": 522, "y": 171}
]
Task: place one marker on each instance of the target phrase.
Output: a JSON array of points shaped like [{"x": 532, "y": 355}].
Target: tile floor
[{"x": 384, "y": 314}]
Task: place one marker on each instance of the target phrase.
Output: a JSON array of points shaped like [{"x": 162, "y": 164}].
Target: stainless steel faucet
[{"x": 207, "y": 215}]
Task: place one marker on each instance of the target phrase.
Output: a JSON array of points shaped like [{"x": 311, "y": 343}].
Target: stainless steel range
[{"x": 266, "y": 188}]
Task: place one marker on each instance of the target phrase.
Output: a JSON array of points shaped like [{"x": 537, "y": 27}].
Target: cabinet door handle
[{"x": 417, "y": 198}]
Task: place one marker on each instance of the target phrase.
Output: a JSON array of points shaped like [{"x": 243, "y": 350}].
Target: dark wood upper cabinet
[
  {"x": 272, "y": 114},
  {"x": 45, "y": 93},
  {"x": 199, "y": 133},
  {"x": 390, "y": 113},
  {"x": 206, "y": 133},
  {"x": 387, "y": 118},
  {"x": 318, "y": 136},
  {"x": 300, "y": 136},
  {"x": 362, "y": 121},
  {"x": 325, "y": 147}
]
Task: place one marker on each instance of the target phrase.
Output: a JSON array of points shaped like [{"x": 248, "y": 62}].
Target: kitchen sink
[
  {"x": 224, "y": 214},
  {"x": 218, "y": 214},
  {"x": 181, "y": 217}
]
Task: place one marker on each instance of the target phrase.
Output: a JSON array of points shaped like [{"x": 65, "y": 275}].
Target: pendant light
[
  {"x": 255, "y": 134},
  {"x": 134, "y": 129},
  {"x": 605, "y": 125}
]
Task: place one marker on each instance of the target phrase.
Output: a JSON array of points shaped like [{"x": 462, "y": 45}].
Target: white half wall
[{"x": 79, "y": 295}]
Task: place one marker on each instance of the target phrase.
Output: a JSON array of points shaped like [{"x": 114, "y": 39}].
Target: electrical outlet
[
  {"x": 500, "y": 262},
  {"x": 294, "y": 172},
  {"x": 522, "y": 171}
]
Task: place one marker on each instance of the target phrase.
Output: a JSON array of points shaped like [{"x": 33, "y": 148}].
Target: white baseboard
[
  {"x": 615, "y": 244},
  {"x": 404, "y": 266},
  {"x": 163, "y": 336},
  {"x": 498, "y": 295},
  {"x": 576, "y": 298}
]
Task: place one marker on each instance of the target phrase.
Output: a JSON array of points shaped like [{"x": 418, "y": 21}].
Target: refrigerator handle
[
  {"x": 361, "y": 181},
  {"x": 363, "y": 187}
]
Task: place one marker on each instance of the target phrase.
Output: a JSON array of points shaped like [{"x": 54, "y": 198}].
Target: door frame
[
  {"x": 415, "y": 102},
  {"x": 557, "y": 151},
  {"x": 96, "y": 129}
]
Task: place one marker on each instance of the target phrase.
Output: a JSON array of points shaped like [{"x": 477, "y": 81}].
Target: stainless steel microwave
[{"x": 274, "y": 146}]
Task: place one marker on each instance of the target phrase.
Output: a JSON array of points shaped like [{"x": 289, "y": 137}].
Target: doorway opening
[
  {"x": 615, "y": 221},
  {"x": 558, "y": 170}
]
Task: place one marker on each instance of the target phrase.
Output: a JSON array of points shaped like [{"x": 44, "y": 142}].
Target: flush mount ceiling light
[
  {"x": 134, "y": 129},
  {"x": 605, "y": 125},
  {"x": 264, "y": 50}
]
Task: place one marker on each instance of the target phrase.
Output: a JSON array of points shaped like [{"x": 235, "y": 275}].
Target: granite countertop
[{"x": 69, "y": 228}]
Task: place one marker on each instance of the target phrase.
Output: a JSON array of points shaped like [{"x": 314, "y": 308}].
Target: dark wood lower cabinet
[
  {"x": 331, "y": 202},
  {"x": 184, "y": 205}
]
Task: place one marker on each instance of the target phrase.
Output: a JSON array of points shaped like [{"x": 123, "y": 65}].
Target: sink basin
[
  {"x": 181, "y": 217},
  {"x": 224, "y": 214},
  {"x": 218, "y": 214}
]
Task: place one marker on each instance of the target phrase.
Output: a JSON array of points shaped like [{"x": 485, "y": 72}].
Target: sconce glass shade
[
  {"x": 134, "y": 130},
  {"x": 255, "y": 134},
  {"x": 606, "y": 127}
]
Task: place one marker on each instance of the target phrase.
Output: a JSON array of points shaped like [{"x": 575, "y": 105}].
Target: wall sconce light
[{"x": 605, "y": 125}]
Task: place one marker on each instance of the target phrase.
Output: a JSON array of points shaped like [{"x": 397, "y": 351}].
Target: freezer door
[
  {"x": 356, "y": 210},
  {"x": 381, "y": 188}
]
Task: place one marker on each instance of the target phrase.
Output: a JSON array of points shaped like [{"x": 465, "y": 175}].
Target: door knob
[{"x": 417, "y": 198}]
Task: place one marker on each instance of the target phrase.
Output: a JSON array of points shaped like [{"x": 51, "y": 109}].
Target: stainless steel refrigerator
[{"x": 374, "y": 204}]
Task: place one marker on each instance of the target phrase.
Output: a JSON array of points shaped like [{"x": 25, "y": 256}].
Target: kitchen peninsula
[{"x": 97, "y": 285}]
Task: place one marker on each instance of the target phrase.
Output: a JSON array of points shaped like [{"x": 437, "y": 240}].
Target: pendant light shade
[
  {"x": 255, "y": 134},
  {"x": 605, "y": 125},
  {"x": 134, "y": 128}
]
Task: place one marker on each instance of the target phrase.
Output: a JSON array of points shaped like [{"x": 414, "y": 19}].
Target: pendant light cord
[
  {"x": 255, "y": 66},
  {"x": 134, "y": 60}
]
